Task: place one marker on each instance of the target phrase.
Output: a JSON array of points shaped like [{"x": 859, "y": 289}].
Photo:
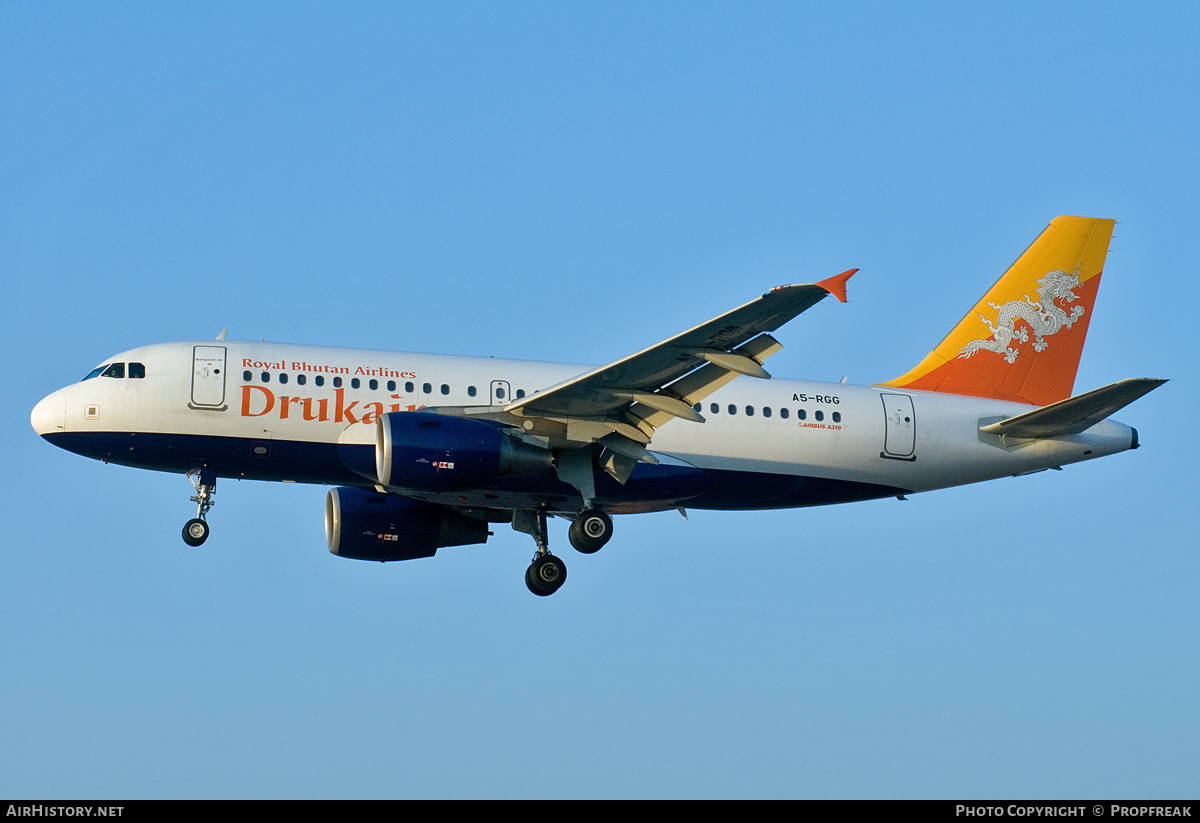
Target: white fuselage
[{"x": 277, "y": 411}]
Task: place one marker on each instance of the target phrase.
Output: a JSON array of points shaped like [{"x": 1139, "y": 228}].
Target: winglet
[{"x": 836, "y": 285}]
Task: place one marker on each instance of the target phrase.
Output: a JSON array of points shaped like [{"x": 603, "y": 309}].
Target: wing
[
  {"x": 620, "y": 405},
  {"x": 733, "y": 343}
]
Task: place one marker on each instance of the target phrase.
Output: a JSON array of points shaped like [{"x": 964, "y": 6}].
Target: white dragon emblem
[{"x": 1044, "y": 316}]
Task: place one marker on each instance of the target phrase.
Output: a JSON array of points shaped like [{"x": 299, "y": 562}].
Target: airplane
[{"x": 426, "y": 451}]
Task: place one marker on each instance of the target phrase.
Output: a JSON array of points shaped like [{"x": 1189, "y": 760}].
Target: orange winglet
[{"x": 836, "y": 285}]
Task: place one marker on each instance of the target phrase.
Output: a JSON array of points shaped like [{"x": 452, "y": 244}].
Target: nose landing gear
[{"x": 196, "y": 530}]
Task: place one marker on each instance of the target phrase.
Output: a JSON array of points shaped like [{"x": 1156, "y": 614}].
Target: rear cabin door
[
  {"x": 208, "y": 377},
  {"x": 900, "y": 432}
]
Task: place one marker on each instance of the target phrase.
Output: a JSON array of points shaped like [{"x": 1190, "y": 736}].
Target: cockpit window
[{"x": 136, "y": 371}]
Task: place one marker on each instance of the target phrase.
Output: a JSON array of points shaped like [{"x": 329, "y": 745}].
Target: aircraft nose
[{"x": 50, "y": 415}]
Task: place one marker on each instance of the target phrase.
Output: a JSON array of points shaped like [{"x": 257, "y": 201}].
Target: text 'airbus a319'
[{"x": 426, "y": 451}]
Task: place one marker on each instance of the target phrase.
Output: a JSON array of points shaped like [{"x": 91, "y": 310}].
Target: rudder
[{"x": 1022, "y": 341}]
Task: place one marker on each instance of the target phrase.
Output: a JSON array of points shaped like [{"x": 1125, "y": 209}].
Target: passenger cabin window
[
  {"x": 247, "y": 375},
  {"x": 283, "y": 377},
  {"x": 373, "y": 384},
  {"x": 445, "y": 389},
  {"x": 471, "y": 391},
  {"x": 520, "y": 393},
  {"x": 355, "y": 382},
  {"x": 319, "y": 380},
  {"x": 301, "y": 379},
  {"x": 783, "y": 413},
  {"x": 391, "y": 384},
  {"x": 409, "y": 386},
  {"x": 427, "y": 388},
  {"x": 337, "y": 382},
  {"x": 714, "y": 408}
]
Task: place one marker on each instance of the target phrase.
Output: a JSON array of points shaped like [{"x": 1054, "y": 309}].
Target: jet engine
[
  {"x": 367, "y": 525},
  {"x": 434, "y": 452}
]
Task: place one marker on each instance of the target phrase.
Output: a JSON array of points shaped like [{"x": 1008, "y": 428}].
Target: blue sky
[{"x": 570, "y": 182}]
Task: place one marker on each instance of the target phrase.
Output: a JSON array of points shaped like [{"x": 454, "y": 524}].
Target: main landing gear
[
  {"x": 546, "y": 573},
  {"x": 196, "y": 530},
  {"x": 588, "y": 533}
]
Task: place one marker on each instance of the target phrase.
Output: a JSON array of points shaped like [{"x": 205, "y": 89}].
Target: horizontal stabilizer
[{"x": 1075, "y": 414}]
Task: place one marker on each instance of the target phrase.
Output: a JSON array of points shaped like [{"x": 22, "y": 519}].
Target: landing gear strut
[
  {"x": 196, "y": 530},
  {"x": 546, "y": 573},
  {"x": 590, "y": 531}
]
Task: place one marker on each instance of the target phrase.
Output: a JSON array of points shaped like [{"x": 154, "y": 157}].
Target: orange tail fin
[{"x": 1023, "y": 339}]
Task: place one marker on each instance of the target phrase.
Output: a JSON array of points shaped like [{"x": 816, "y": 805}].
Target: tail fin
[{"x": 1023, "y": 339}]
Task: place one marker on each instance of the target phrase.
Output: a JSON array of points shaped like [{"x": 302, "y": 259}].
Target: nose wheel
[{"x": 196, "y": 530}]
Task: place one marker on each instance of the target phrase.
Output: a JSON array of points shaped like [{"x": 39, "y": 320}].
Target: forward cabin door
[
  {"x": 208, "y": 377},
  {"x": 900, "y": 432}
]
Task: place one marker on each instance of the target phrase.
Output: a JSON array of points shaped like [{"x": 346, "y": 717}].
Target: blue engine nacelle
[
  {"x": 366, "y": 525},
  {"x": 435, "y": 452}
]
